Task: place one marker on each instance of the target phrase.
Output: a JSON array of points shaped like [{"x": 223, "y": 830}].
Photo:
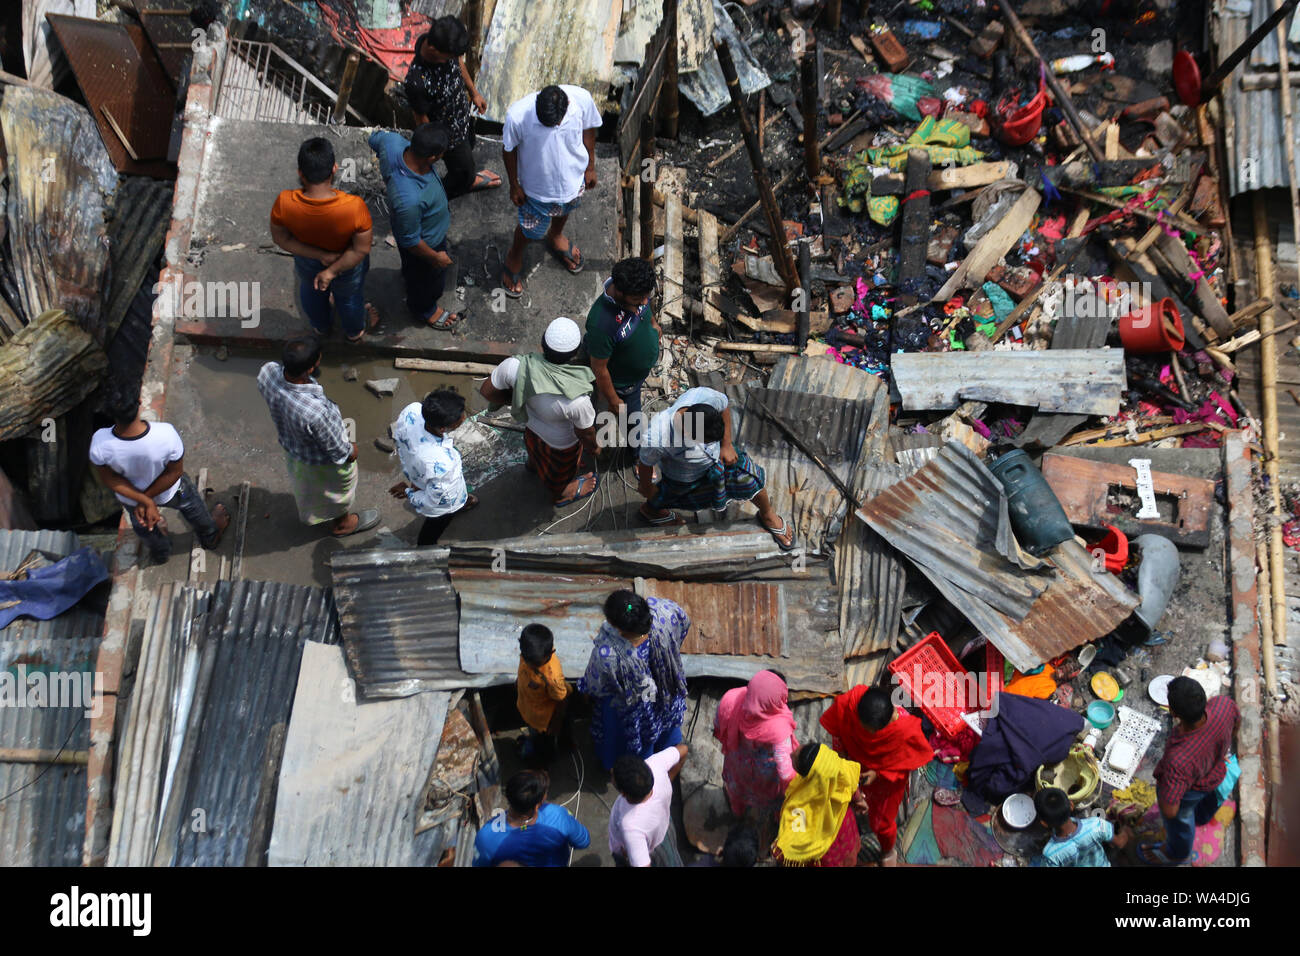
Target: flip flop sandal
[
  {"x": 447, "y": 321},
  {"x": 471, "y": 502},
  {"x": 512, "y": 278},
  {"x": 778, "y": 534},
  {"x": 1152, "y": 855},
  {"x": 580, "y": 494},
  {"x": 373, "y": 318},
  {"x": 480, "y": 183},
  {"x": 669, "y": 518},
  {"x": 566, "y": 257}
]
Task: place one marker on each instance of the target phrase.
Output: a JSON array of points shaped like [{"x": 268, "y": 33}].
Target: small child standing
[
  {"x": 542, "y": 691},
  {"x": 1074, "y": 842}
]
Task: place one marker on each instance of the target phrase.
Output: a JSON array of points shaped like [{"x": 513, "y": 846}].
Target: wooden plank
[
  {"x": 968, "y": 177},
  {"x": 711, "y": 280},
  {"x": 784, "y": 322},
  {"x": 440, "y": 365},
  {"x": 196, "y": 551},
  {"x": 755, "y": 347},
  {"x": 674, "y": 286},
  {"x": 241, "y": 531},
  {"x": 993, "y": 246},
  {"x": 1208, "y": 304},
  {"x": 1084, "y": 489},
  {"x": 28, "y": 755},
  {"x": 914, "y": 237}
]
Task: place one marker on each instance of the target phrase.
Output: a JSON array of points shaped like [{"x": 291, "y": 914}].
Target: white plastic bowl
[{"x": 1018, "y": 811}]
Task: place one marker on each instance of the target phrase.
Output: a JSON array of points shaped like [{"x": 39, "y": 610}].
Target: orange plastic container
[{"x": 1156, "y": 328}]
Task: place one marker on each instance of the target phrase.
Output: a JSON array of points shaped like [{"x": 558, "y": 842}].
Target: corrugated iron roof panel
[
  {"x": 400, "y": 622},
  {"x": 747, "y": 617},
  {"x": 76, "y": 622},
  {"x": 1253, "y": 128},
  {"x": 43, "y": 813},
  {"x": 253, "y": 645},
  {"x": 823, "y": 376},
  {"x": 871, "y": 573},
  {"x": 706, "y": 87},
  {"x": 352, "y": 773}
]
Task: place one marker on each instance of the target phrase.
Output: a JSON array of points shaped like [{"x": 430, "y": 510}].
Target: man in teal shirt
[{"x": 420, "y": 216}]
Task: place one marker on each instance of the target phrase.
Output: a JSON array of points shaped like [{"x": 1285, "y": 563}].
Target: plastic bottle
[{"x": 1081, "y": 61}]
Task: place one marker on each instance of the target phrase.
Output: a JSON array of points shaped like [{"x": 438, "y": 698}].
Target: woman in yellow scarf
[{"x": 818, "y": 827}]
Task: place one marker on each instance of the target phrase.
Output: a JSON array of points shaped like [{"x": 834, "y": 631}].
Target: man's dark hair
[
  {"x": 448, "y": 35},
  {"x": 628, "y": 611},
  {"x": 300, "y": 355},
  {"x": 552, "y": 104},
  {"x": 442, "y": 408},
  {"x": 123, "y": 405},
  {"x": 741, "y": 848},
  {"x": 1053, "y": 806},
  {"x": 1186, "y": 699},
  {"x": 526, "y": 789},
  {"x": 875, "y": 709},
  {"x": 316, "y": 160},
  {"x": 805, "y": 757},
  {"x": 633, "y": 778},
  {"x": 536, "y": 644},
  {"x": 704, "y": 423},
  {"x": 430, "y": 141},
  {"x": 633, "y": 276}
]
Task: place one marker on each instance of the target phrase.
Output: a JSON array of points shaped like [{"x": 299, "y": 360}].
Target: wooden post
[
  {"x": 472, "y": 16},
  {"x": 812, "y": 159},
  {"x": 781, "y": 257},
  {"x": 1058, "y": 91},
  {"x": 832, "y": 14},
  {"x": 647, "y": 188},
  {"x": 915, "y": 240},
  {"x": 803, "y": 317},
  {"x": 668, "y": 101},
  {"x": 345, "y": 87}
]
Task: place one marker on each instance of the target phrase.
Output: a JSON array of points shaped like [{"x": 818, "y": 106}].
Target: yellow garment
[{"x": 815, "y": 806}]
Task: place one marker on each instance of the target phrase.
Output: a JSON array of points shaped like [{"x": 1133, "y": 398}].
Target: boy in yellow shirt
[{"x": 542, "y": 691}]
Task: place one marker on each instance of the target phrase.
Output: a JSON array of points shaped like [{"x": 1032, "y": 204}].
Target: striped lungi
[
  {"x": 722, "y": 483},
  {"x": 557, "y": 467},
  {"x": 322, "y": 492}
]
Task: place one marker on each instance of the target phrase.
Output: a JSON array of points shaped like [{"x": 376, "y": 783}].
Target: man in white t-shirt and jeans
[
  {"x": 551, "y": 395},
  {"x": 549, "y": 147},
  {"x": 143, "y": 463},
  {"x": 640, "y": 823}
]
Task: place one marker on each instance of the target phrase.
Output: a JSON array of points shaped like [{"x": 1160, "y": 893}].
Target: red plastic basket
[{"x": 914, "y": 669}]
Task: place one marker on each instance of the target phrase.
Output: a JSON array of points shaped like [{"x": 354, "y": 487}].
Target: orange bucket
[
  {"x": 1156, "y": 328},
  {"x": 1023, "y": 125}
]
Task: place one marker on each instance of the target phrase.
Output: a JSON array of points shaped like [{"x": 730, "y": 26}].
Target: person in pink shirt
[
  {"x": 640, "y": 823},
  {"x": 756, "y": 730}
]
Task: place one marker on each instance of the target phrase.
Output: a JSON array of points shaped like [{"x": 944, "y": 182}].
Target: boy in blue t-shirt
[
  {"x": 1074, "y": 842},
  {"x": 531, "y": 832}
]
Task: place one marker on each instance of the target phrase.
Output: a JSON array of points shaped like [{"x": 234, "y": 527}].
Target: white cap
[{"x": 563, "y": 336}]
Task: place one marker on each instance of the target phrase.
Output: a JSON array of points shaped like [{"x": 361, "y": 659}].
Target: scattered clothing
[
  {"x": 327, "y": 224},
  {"x": 552, "y": 160},
  {"x": 545, "y": 843},
  {"x": 429, "y": 462},
  {"x": 309, "y": 425},
  {"x": 756, "y": 730},
  {"x": 539, "y": 692},
  {"x": 642, "y": 689},
  {"x": 1026, "y": 734},
  {"x": 626, "y": 338},
  {"x": 1195, "y": 760},
  {"x": 817, "y": 825},
  {"x": 1040, "y": 685},
  {"x": 637, "y": 829},
  {"x": 141, "y": 459},
  {"x": 417, "y": 202},
  {"x": 1086, "y": 846},
  {"x": 49, "y": 591}
]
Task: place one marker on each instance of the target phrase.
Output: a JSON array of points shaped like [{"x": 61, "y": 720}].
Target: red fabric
[
  {"x": 884, "y": 797},
  {"x": 394, "y": 48},
  {"x": 844, "y": 851},
  {"x": 918, "y": 194},
  {"x": 896, "y": 750}
]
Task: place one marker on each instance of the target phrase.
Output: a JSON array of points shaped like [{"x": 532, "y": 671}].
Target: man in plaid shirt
[
  {"x": 322, "y": 463},
  {"x": 1193, "y": 766}
]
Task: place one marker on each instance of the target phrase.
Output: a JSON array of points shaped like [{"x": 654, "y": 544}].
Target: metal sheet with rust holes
[
  {"x": 744, "y": 618},
  {"x": 1084, "y": 489}
]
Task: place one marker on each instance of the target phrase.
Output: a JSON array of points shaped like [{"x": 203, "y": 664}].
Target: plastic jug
[{"x": 1037, "y": 517}]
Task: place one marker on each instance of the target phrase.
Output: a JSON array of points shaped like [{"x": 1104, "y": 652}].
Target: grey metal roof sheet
[
  {"x": 706, "y": 87},
  {"x": 823, "y": 376},
  {"x": 353, "y": 773},
  {"x": 43, "y": 806},
  {"x": 400, "y": 622},
  {"x": 76, "y": 622},
  {"x": 253, "y": 644},
  {"x": 872, "y": 576}
]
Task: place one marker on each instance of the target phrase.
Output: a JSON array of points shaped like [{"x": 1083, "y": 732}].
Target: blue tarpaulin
[{"x": 49, "y": 591}]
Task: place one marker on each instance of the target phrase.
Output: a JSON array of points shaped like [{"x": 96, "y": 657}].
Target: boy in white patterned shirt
[{"x": 435, "y": 481}]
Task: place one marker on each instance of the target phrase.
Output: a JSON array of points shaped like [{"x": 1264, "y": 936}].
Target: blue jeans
[
  {"x": 348, "y": 289},
  {"x": 1196, "y": 809},
  {"x": 631, "y": 396},
  {"x": 189, "y": 503}
]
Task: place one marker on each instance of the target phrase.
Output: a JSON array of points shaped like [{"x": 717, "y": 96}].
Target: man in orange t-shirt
[
  {"x": 542, "y": 692},
  {"x": 329, "y": 233}
]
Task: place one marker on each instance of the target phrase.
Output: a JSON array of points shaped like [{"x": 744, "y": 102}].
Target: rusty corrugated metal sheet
[
  {"x": 400, "y": 623},
  {"x": 127, "y": 89},
  {"x": 871, "y": 574},
  {"x": 533, "y": 43},
  {"x": 950, "y": 519},
  {"x": 823, "y": 376},
  {"x": 747, "y": 617},
  {"x": 167, "y": 23}
]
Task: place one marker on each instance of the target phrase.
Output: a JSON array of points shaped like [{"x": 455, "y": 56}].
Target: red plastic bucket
[
  {"x": 1115, "y": 549},
  {"x": 1156, "y": 328},
  {"x": 1023, "y": 125}
]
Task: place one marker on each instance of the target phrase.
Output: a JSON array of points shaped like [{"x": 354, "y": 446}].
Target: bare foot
[
  {"x": 220, "y": 518},
  {"x": 346, "y": 524}
]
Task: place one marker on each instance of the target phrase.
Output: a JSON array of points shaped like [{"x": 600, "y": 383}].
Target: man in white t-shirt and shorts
[
  {"x": 552, "y": 397},
  {"x": 640, "y": 822},
  {"x": 143, "y": 463},
  {"x": 549, "y": 147}
]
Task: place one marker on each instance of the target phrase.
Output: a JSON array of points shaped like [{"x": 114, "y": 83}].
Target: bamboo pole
[
  {"x": 25, "y": 755},
  {"x": 1268, "y": 409},
  {"x": 345, "y": 87},
  {"x": 647, "y": 190},
  {"x": 1288, "y": 126},
  {"x": 669, "y": 105},
  {"x": 781, "y": 257}
]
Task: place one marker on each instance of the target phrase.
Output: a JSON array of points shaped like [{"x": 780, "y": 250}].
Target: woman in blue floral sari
[{"x": 635, "y": 677}]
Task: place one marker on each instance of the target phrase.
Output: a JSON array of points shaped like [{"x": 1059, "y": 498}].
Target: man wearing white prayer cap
[{"x": 551, "y": 396}]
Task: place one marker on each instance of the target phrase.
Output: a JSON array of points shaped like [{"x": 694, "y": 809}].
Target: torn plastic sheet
[{"x": 706, "y": 87}]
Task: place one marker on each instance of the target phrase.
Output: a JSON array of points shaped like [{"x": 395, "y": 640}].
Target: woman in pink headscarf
[{"x": 756, "y": 730}]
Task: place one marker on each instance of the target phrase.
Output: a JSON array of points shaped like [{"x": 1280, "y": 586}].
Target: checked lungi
[
  {"x": 722, "y": 483},
  {"x": 557, "y": 467}
]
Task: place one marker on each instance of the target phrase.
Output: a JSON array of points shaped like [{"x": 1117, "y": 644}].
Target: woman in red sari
[
  {"x": 756, "y": 730},
  {"x": 888, "y": 743}
]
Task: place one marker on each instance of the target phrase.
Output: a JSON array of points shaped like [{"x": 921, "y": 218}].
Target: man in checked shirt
[{"x": 322, "y": 463}]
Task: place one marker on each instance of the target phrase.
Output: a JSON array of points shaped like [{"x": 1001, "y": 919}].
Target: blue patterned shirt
[
  {"x": 430, "y": 463},
  {"x": 1084, "y": 847}
]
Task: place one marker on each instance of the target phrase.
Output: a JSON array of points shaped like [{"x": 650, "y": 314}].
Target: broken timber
[
  {"x": 674, "y": 286},
  {"x": 711, "y": 282},
  {"x": 993, "y": 245}
]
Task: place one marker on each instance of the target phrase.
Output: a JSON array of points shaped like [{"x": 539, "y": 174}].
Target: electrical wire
[{"x": 49, "y": 766}]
